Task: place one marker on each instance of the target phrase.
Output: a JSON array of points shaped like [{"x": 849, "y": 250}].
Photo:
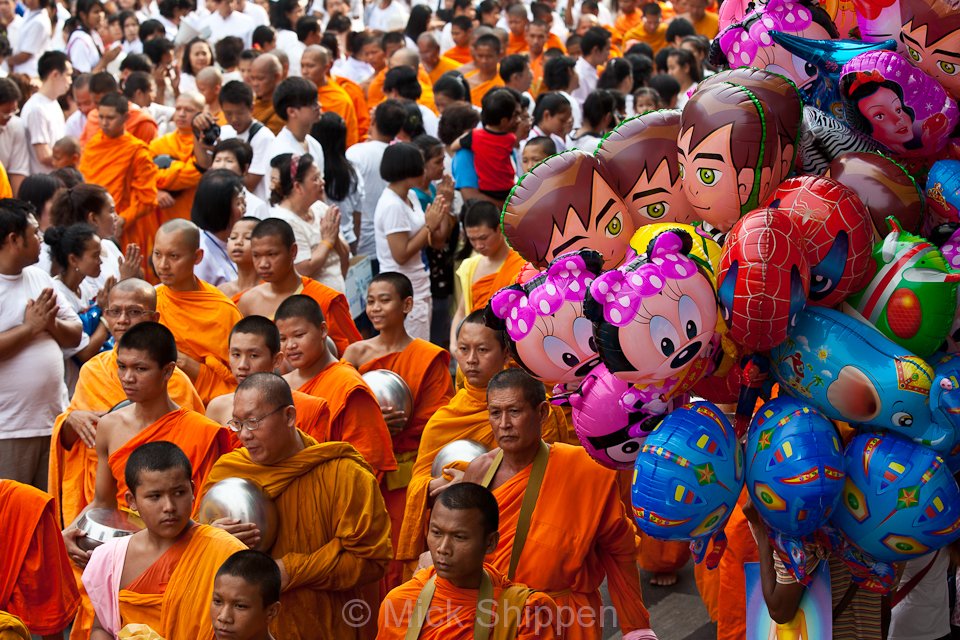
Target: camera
[{"x": 211, "y": 135}]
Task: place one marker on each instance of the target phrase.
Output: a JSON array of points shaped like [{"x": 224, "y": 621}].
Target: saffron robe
[
  {"x": 359, "y": 104},
  {"x": 444, "y": 65},
  {"x": 375, "y": 93},
  {"x": 181, "y": 177},
  {"x": 336, "y": 311},
  {"x": 477, "y": 293},
  {"x": 140, "y": 124},
  {"x": 264, "y": 112},
  {"x": 6, "y": 191},
  {"x": 335, "y": 99},
  {"x": 478, "y": 91},
  {"x": 517, "y": 44},
  {"x": 460, "y": 54},
  {"x": 731, "y": 603}
]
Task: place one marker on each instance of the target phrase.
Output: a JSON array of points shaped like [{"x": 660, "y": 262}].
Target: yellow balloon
[{"x": 705, "y": 250}]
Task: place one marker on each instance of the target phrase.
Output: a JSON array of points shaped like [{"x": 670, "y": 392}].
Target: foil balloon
[
  {"x": 851, "y": 372},
  {"x": 898, "y": 105},
  {"x": 764, "y": 279},
  {"x": 836, "y": 232},
  {"x": 655, "y": 322},
  {"x": 822, "y": 139},
  {"x": 543, "y": 319},
  {"x": 687, "y": 478},
  {"x": 911, "y": 296},
  {"x": 930, "y": 32},
  {"x": 943, "y": 191},
  {"x": 884, "y": 186},
  {"x": 877, "y": 19},
  {"x": 899, "y": 500},
  {"x": 794, "y": 474},
  {"x": 639, "y": 157},
  {"x": 563, "y": 204}
]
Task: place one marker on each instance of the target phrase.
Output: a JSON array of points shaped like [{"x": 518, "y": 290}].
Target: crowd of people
[{"x": 189, "y": 190}]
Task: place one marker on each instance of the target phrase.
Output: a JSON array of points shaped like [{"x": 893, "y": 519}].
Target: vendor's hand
[
  {"x": 396, "y": 419},
  {"x": 77, "y": 555},
  {"x": 164, "y": 199},
  {"x": 245, "y": 532},
  {"x": 131, "y": 264},
  {"x": 84, "y": 424}
]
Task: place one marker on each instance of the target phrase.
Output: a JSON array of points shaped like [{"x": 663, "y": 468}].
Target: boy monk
[
  {"x": 36, "y": 584},
  {"x": 466, "y": 592},
  {"x": 425, "y": 368},
  {"x": 146, "y": 357},
  {"x": 246, "y": 597},
  {"x": 333, "y": 539},
  {"x": 255, "y": 348},
  {"x": 197, "y": 313},
  {"x": 161, "y": 576},
  {"x": 353, "y": 407},
  {"x": 274, "y": 255},
  {"x": 547, "y": 546}
]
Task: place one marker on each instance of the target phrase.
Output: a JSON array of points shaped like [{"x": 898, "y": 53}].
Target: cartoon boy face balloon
[
  {"x": 565, "y": 204},
  {"x": 931, "y": 36},
  {"x": 640, "y": 159}
]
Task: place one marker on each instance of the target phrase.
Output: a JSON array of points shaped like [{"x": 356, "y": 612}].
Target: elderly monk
[
  {"x": 274, "y": 250},
  {"x": 122, "y": 164},
  {"x": 481, "y": 352},
  {"x": 140, "y": 124},
  {"x": 255, "y": 348},
  {"x": 179, "y": 156},
  {"x": 198, "y": 314},
  {"x": 431, "y": 60},
  {"x": 466, "y": 592},
  {"x": 342, "y": 554},
  {"x": 266, "y": 72},
  {"x": 35, "y": 582},
  {"x": 403, "y": 58},
  {"x": 315, "y": 66},
  {"x": 486, "y": 52},
  {"x": 425, "y": 368},
  {"x": 540, "y": 543},
  {"x": 161, "y": 576}
]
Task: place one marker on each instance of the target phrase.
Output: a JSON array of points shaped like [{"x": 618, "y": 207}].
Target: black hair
[
  {"x": 413, "y": 124},
  {"x": 117, "y": 101},
  {"x": 213, "y": 202},
  {"x": 480, "y": 213},
  {"x": 513, "y": 64},
  {"x": 275, "y": 227},
  {"x": 684, "y": 57},
  {"x": 185, "y": 66},
  {"x": 679, "y": 28},
  {"x": 122, "y": 17},
  {"x": 649, "y": 92},
  {"x": 156, "y": 49},
  {"x": 103, "y": 82},
  {"x": 293, "y": 93},
  {"x": 557, "y": 73},
  {"x": 389, "y": 117},
  {"x": 38, "y": 189},
  {"x": 533, "y": 390},
  {"x": 852, "y": 99},
  {"x": 282, "y": 163},
  {"x": 339, "y": 176},
  {"x": 429, "y": 146},
  {"x": 456, "y": 120},
  {"x": 391, "y": 37},
  {"x": 489, "y": 40},
  {"x": 241, "y": 150},
  {"x": 307, "y": 25},
  {"x": 51, "y": 61},
  {"x": 259, "y": 326},
  {"x": 329, "y": 40},
  {"x": 13, "y": 218},
  {"x": 597, "y": 105},
  {"x": 278, "y": 13},
  {"x": 464, "y": 23},
  {"x": 338, "y": 24},
  {"x": 136, "y": 62},
  {"x": 68, "y": 241},
  {"x": 453, "y": 85},
  {"x": 401, "y": 161},
  {"x": 300, "y": 306},
  {"x": 642, "y": 66},
  {"x": 666, "y": 86},
  {"x": 227, "y": 51},
  {"x": 72, "y": 206},
  {"x": 616, "y": 71},
  {"x": 255, "y": 568},
  {"x": 463, "y": 496},
  {"x": 552, "y": 103},
  {"x": 660, "y": 60},
  {"x": 480, "y": 317},
  {"x": 404, "y": 81},
  {"x": 154, "y": 338},
  {"x": 651, "y": 9},
  {"x": 418, "y": 22},
  {"x": 155, "y": 456},
  {"x": 136, "y": 81},
  {"x": 640, "y": 49},
  {"x": 236, "y": 92},
  {"x": 398, "y": 281},
  {"x": 69, "y": 176},
  {"x": 497, "y": 105},
  {"x": 248, "y": 55},
  {"x": 594, "y": 38},
  {"x": 9, "y": 91},
  {"x": 150, "y": 28},
  {"x": 263, "y": 35}
]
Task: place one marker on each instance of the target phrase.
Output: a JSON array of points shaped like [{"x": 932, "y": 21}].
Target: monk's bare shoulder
[
  {"x": 478, "y": 468},
  {"x": 358, "y": 353},
  {"x": 220, "y": 408},
  {"x": 252, "y": 301},
  {"x": 112, "y": 426}
]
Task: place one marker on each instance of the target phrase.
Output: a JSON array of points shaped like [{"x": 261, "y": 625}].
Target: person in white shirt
[
  {"x": 14, "y": 153},
  {"x": 10, "y": 22},
  {"x": 218, "y": 204},
  {"x": 77, "y": 121},
  {"x": 283, "y": 17},
  {"x": 295, "y": 102},
  {"x": 36, "y": 36},
  {"x": 197, "y": 55},
  {"x": 42, "y": 113},
  {"x": 236, "y": 101},
  {"x": 387, "y": 15},
  {"x": 353, "y": 67},
  {"x": 35, "y": 323},
  {"x": 225, "y": 21},
  {"x": 387, "y": 121},
  {"x": 595, "y": 47},
  {"x": 252, "y": 10},
  {"x": 235, "y": 154},
  {"x": 460, "y": 8},
  {"x": 85, "y": 47}
]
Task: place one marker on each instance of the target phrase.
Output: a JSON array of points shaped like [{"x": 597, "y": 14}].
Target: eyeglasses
[
  {"x": 133, "y": 313},
  {"x": 251, "y": 424}
]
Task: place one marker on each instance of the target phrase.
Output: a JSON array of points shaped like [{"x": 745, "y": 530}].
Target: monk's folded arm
[{"x": 617, "y": 542}]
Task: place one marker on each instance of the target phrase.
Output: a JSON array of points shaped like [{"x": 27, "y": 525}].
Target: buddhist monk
[
  {"x": 359, "y": 100},
  {"x": 209, "y": 83},
  {"x": 140, "y": 124},
  {"x": 430, "y": 59},
  {"x": 494, "y": 264},
  {"x": 161, "y": 576},
  {"x": 315, "y": 66},
  {"x": 581, "y": 529},
  {"x": 403, "y": 57},
  {"x": 274, "y": 250},
  {"x": 461, "y": 28},
  {"x": 517, "y": 21},
  {"x": 425, "y": 368},
  {"x": 266, "y": 72},
  {"x": 466, "y": 592},
  {"x": 179, "y": 174},
  {"x": 342, "y": 554},
  {"x": 255, "y": 348},
  {"x": 197, "y": 313},
  {"x": 122, "y": 164},
  {"x": 246, "y": 597},
  {"x": 481, "y": 352},
  {"x": 36, "y": 584},
  {"x": 485, "y": 54}
]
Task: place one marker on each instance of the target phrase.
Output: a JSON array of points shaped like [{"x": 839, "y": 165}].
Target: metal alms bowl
[
  {"x": 101, "y": 525},
  {"x": 390, "y": 389},
  {"x": 245, "y": 501},
  {"x": 458, "y": 450}
]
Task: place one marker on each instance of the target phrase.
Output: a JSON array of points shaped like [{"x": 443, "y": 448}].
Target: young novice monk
[
  {"x": 246, "y": 597},
  {"x": 161, "y": 576},
  {"x": 240, "y": 251},
  {"x": 425, "y": 368}
]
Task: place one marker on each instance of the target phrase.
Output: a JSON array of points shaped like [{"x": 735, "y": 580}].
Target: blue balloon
[
  {"x": 90, "y": 320},
  {"x": 899, "y": 501},
  {"x": 688, "y": 476}
]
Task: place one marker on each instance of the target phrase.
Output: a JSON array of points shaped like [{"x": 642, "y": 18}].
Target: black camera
[{"x": 211, "y": 135}]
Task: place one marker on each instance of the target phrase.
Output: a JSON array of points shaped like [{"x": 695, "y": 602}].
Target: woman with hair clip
[{"x": 85, "y": 46}]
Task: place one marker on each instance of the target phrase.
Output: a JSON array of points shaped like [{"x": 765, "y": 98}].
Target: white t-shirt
[
  {"x": 260, "y": 164},
  {"x": 76, "y": 123},
  {"x": 393, "y": 18},
  {"x": 32, "y": 391},
  {"x": 256, "y": 207},
  {"x": 308, "y": 236},
  {"x": 588, "y": 79},
  {"x": 924, "y": 613},
  {"x": 84, "y": 50},
  {"x": 366, "y": 157},
  {"x": 216, "y": 267},
  {"x": 87, "y": 298},
  {"x": 14, "y": 147},
  {"x": 35, "y": 38},
  {"x": 396, "y": 215},
  {"x": 236, "y": 24},
  {"x": 430, "y": 120},
  {"x": 353, "y": 69},
  {"x": 353, "y": 202},
  {"x": 575, "y": 109},
  {"x": 45, "y": 125},
  {"x": 294, "y": 51},
  {"x": 287, "y": 143},
  {"x": 258, "y": 13}
]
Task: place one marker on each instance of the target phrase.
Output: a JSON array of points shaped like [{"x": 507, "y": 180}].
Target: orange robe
[
  {"x": 124, "y": 167},
  {"x": 375, "y": 90},
  {"x": 517, "y": 44},
  {"x": 336, "y": 311},
  {"x": 453, "y": 610},
  {"x": 359, "y": 104},
  {"x": 6, "y": 191},
  {"x": 334, "y": 98},
  {"x": 662, "y": 556},
  {"x": 201, "y": 439},
  {"x": 264, "y": 112},
  {"x": 341, "y": 555},
  {"x": 627, "y": 21},
  {"x": 35, "y": 581},
  {"x": 484, "y": 288},
  {"x": 355, "y": 414},
  {"x": 657, "y": 40},
  {"x": 201, "y": 322},
  {"x": 181, "y": 177},
  {"x": 140, "y": 124},
  {"x": 444, "y": 65},
  {"x": 465, "y": 417},
  {"x": 460, "y": 54},
  {"x": 580, "y": 533},
  {"x": 12, "y": 627},
  {"x": 477, "y": 92},
  {"x": 73, "y": 471}
]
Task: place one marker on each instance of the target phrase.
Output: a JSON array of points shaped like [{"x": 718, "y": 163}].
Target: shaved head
[
  {"x": 404, "y": 58},
  {"x": 183, "y": 230},
  {"x": 142, "y": 290},
  {"x": 209, "y": 75},
  {"x": 322, "y": 54},
  {"x": 265, "y": 72},
  {"x": 191, "y": 98},
  {"x": 268, "y": 63},
  {"x": 129, "y": 303},
  {"x": 428, "y": 40}
]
